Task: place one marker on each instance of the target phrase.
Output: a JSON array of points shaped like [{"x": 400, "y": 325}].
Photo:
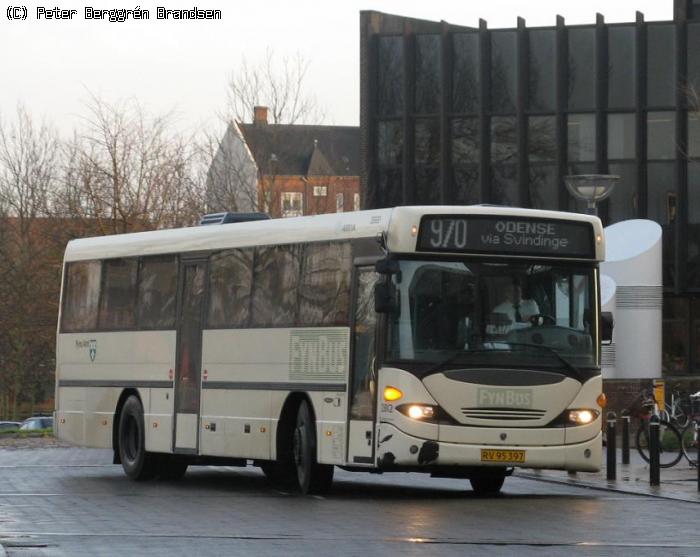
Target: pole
[
  {"x": 654, "y": 468},
  {"x": 625, "y": 437},
  {"x": 611, "y": 448}
]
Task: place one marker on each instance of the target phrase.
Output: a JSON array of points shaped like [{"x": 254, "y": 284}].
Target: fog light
[
  {"x": 582, "y": 417},
  {"x": 392, "y": 393},
  {"x": 418, "y": 412}
]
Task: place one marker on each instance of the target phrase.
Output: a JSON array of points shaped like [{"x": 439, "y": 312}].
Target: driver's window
[
  {"x": 442, "y": 308},
  {"x": 571, "y": 299}
]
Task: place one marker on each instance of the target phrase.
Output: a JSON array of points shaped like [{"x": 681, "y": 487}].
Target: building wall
[
  {"x": 272, "y": 190},
  {"x": 463, "y": 115},
  {"x": 232, "y": 177}
]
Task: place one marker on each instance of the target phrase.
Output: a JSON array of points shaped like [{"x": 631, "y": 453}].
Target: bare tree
[
  {"x": 127, "y": 171},
  {"x": 279, "y": 84},
  {"x": 236, "y": 182},
  {"x": 29, "y": 261}
]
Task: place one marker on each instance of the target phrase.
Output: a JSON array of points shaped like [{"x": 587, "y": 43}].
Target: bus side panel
[
  {"x": 158, "y": 407},
  {"x": 235, "y": 423},
  {"x": 331, "y": 418},
  {"x": 93, "y": 371},
  {"x": 250, "y": 374},
  {"x": 69, "y": 424}
]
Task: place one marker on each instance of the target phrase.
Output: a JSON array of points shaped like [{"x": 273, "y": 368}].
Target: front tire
[
  {"x": 312, "y": 477},
  {"x": 137, "y": 463},
  {"x": 487, "y": 485}
]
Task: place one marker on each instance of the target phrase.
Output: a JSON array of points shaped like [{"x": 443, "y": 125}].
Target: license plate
[{"x": 504, "y": 456}]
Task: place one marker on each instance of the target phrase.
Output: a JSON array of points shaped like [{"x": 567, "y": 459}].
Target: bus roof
[{"x": 396, "y": 223}]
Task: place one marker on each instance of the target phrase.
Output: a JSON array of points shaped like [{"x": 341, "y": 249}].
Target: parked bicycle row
[{"x": 679, "y": 421}]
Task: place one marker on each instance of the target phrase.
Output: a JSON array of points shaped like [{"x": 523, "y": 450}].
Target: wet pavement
[
  {"x": 73, "y": 502},
  {"x": 679, "y": 482}
]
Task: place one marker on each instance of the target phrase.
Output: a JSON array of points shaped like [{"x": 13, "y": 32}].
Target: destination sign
[{"x": 506, "y": 235}]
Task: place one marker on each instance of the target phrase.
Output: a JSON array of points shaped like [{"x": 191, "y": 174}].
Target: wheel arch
[
  {"x": 126, "y": 393},
  {"x": 287, "y": 420}
]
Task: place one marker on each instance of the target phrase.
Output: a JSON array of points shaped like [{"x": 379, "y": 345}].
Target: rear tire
[
  {"x": 138, "y": 464},
  {"x": 487, "y": 485},
  {"x": 312, "y": 477}
]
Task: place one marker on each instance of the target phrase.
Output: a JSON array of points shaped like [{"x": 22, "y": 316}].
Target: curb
[{"x": 611, "y": 488}]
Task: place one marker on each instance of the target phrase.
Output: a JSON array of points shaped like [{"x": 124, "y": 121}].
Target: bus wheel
[
  {"x": 279, "y": 475},
  {"x": 137, "y": 463},
  {"x": 486, "y": 485},
  {"x": 171, "y": 468},
  {"x": 312, "y": 477}
]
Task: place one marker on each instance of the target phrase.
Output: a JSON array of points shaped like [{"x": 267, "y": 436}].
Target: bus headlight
[
  {"x": 582, "y": 417},
  {"x": 418, "y": 411}
]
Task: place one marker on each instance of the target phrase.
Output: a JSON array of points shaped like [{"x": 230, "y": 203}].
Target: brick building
[{"x": 285, "y": 169}]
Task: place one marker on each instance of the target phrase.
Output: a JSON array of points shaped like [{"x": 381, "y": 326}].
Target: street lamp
[{"x": 591, "y": 188}]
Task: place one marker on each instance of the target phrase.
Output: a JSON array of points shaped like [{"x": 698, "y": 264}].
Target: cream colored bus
[{"x": 456, "y": 341}]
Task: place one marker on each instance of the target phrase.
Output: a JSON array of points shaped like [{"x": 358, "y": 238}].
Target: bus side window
[
  {"x": 82, "y": 292},
  {"x": 157, "y": 293},
  {"x": 275, "y": 286},
  {"x": 118, "y": 294},
  {"x": 230, "y": 287},
  {"x": 324, "y": 291}
]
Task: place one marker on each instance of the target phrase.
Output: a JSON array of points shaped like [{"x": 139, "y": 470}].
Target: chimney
[{"x": 259, "y": 115}]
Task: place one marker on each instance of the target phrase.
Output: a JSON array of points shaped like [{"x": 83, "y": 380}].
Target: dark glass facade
[{"x": 453, "y": 114}]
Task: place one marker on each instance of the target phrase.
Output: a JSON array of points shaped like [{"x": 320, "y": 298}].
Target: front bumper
[{"x": 399, "y": 450}]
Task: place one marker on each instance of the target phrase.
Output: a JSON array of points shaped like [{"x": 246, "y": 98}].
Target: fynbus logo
[
  {"x": 505, "y": 398},
  {"x": 91, "y": 346}
]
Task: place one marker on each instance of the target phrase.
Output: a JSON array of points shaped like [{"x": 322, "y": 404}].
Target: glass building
[{"x": 462, "y": 115}]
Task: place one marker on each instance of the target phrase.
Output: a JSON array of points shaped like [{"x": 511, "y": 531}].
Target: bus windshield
[{"x": 477, "y": 313}]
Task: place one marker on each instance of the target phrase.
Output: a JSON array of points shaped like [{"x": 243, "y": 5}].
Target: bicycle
[
  {"x": 670, "y": 440},
  {"x": 674, "y": 411},
  {"x": 690, "y": 433}
]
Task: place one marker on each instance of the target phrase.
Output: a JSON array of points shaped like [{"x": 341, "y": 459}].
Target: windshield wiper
[{"x": 575, "y": 372}]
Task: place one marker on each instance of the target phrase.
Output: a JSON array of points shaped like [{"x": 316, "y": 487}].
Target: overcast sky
[{"x": 50, "y": 65}]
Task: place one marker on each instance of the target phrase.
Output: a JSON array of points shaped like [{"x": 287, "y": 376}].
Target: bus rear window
[{"x": 82, "y": 294}]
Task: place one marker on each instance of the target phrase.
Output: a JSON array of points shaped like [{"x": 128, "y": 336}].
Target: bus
[{"x": 459, "y": 341}]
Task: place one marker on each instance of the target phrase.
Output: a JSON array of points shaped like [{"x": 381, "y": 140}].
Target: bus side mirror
[
  {"x": 607, "y": 323},
  {"x": 388, "y": 267},
  {"x": 386, "y": 297}
]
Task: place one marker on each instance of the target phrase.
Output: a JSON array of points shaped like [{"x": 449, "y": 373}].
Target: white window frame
[
  {"x": 339, "y": 202},
  {"x": 292, "y": 204}
]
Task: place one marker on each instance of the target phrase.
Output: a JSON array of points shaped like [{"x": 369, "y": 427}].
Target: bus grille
[{"x": 502, "y": 414}]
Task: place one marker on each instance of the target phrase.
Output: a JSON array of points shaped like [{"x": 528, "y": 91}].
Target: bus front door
[
  {"x": 362, "y": 385},
  {"x": 189, "y": 356}
]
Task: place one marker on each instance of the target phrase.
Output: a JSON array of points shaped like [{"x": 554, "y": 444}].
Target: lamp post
[{"x": 591, "y": 188}]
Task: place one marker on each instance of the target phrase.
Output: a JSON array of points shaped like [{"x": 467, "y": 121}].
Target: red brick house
[{"x": 285, "y": 169}]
